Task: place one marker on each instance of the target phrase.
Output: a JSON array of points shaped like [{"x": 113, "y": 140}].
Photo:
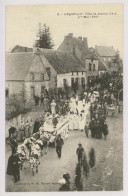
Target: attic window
[{"x": 89, "y": 66}]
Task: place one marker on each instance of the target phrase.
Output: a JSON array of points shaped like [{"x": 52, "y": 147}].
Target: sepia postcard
[{"x": 64, "y": 97}]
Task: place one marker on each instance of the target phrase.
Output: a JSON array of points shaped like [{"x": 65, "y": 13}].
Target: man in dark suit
[
  {"x": 14, "y": 166},
  {"x": 59, "y": 144},
  {"x": 79, "y": 153}
]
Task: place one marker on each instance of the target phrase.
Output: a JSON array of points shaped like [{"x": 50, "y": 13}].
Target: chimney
[
  {"x": 85, "y": 41},
  {"x": 70, "y": 34},
  {"x": 80, "y": 38},
  {"x": 36, "y": 50}
]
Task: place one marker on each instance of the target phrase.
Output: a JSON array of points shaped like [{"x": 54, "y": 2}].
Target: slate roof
[
  {"x": 18, "y": 48},
  {"x": 101, "y": 64},
  {"x": 61, "y": 61},
  {"x": 105, "y": 51},
  {"x": 18, "y": 64},
  {"x": 71, "y": 43}
]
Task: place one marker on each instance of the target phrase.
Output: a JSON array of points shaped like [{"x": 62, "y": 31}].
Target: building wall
[
  {"x": 53, "y": 78},
  {"x": 87, "y": 61},
  {"x": 36, "y": 86},
  {"x": 14, "y": 87},
  {"x": 68, "y": 77},
  {"x": 91, "y": 73},
  {"x": 107, "y": 58}
]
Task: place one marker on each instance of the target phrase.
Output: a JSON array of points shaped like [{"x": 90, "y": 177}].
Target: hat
[{"x": 66, "y": 176}]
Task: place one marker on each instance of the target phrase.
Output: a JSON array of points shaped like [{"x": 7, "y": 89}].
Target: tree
[
  {"x": 116, "y": 59},
  {"x": 44, "y": 39}
]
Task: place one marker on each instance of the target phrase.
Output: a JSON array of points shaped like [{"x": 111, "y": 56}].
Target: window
[
  {"x": 89, "y": 66},
  {"x": 42, "y": 77},
  {"x": 104, "y": 59},
  {"x": 82, "y": 72},
  {"x": 72, "y": 73},
  {"x": 48, "y": 72},
  {"x": 83, "y": 82},
  {"x": 32, "y": 92},
  {"x": 109, "y": 59},
  {"x": 77, "y": 73},
  {"x": 32, "y": 76},
  {"x": 94, "y": 67},
  {"x": 6, "y": 92},
  {"x": 76, "y": 80},
  {"x": 42, "y": 89}
]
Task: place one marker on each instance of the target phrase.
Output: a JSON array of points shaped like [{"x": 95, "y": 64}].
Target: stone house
[
  {"x": 102, "y": 66},
  {"x": 68, "y": 68},
  {"x": 31, "y": 73},
  {"x": 79, "y": 48},
  {"x": 26, "y": 75},
  {"x": 107, "y": 53}
]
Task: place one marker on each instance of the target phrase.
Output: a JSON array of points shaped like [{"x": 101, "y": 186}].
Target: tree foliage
[{"x": 44, "y": 39}]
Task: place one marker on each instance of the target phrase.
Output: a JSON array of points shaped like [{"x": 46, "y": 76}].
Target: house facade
[
  {"x": 79, "y": 48},
  {"x": 30, "y": 74},
  {"x": 69, "y": 69},
  {"x": 26, "y": 75},
  {"x": 102, "y": 66},
  {"x": 107, "y": 53}
]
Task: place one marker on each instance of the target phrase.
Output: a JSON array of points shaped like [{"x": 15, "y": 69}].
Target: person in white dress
[
  {"x": 53, "y": 107},
  {"x": 71, "y": 123},
  {"x": 82, "y": 122}
]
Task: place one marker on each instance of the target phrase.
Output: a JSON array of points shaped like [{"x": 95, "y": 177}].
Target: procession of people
[{"x": 86, "y": 113}]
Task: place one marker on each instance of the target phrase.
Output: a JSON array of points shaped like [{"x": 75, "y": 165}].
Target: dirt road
[{"x": 107, "y": 174}]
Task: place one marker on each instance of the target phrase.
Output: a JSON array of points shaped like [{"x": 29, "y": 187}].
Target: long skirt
[
  {"x": 98, "y": 134},
  {"x": 9, "y": 166}
]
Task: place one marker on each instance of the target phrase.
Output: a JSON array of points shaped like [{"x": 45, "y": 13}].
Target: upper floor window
[
  {"x": 32, "y": 76},
  {"x": 48, "y": 72},
  {"x": 89, "y": 66},
  {"x": 94, "y": 67},
  {"x": 42, "y": 77}
]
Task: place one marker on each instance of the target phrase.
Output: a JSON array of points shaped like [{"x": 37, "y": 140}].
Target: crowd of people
[{"x": 87, "y": 113}]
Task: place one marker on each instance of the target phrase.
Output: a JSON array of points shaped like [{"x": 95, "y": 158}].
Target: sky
[{"x": 102, "y": 24}]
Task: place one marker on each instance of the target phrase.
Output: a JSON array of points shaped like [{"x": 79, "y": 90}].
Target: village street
[{"x": 107, "y": 174}]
